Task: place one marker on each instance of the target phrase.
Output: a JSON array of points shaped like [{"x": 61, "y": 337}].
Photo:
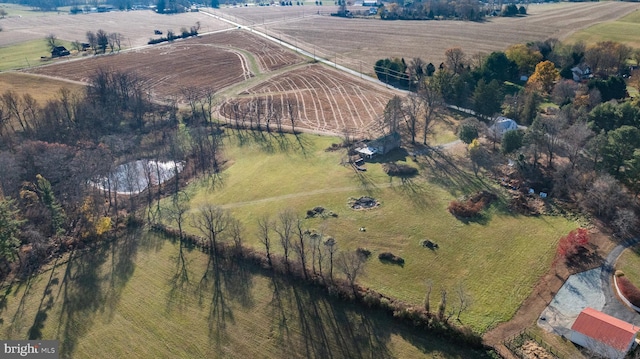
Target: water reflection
[{"x": 134, "y": 177}]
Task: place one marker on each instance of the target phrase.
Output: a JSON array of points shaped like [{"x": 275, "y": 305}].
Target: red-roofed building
[{"x": 603, "y": 334}]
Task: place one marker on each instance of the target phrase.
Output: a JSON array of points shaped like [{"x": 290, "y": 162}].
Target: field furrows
[
  {"x": 359, "y": 43},
  {"x": 324, "y": 100},
  {"x": 167, "y": 68},
  {"x": 268, "y": 55}
]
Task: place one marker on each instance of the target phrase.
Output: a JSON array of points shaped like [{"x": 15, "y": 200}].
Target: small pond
[{"x": 134, "y": 177}]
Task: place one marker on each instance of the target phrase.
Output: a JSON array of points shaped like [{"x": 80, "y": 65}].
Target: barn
[{"x": 603, "y": 334}]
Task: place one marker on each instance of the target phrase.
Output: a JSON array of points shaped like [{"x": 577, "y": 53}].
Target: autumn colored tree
[
  {"x": 570, "y": 244},
  {"x": 544, "y": 77},
  {"x": 525, "y": 57}
]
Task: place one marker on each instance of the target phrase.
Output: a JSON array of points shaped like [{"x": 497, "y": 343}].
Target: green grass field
[
  {"x": 497, "y": 260},
  {"x": 21, "y": 10},
  {"x": 127, "y": 299},
  {"x": 625, "y": 30},
  {"x": 26, "y": 54},
  {"x": 629, "y": 263}
]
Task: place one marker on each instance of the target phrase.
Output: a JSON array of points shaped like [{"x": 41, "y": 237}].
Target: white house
[
  {"x": 603, "y": 334},
  {"x": 502, "y": 125}
]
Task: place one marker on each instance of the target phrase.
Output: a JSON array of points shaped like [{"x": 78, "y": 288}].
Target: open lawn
[
  {"x": 625, "y": 30},
  {"x": 496, "y": 259},
  {"x": 629, "y": 263},
  {"x": 130, "y": 299},
  {"x": 25, "y": 83},
  {"x": 359, "y": 43},
  {"x": 24, "y": 55}
]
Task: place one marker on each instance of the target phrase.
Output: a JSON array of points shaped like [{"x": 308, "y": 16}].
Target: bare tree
[
  {"x": 454, "y": 59},
  {"x": 427, "y": 297},
  {"x": 442, "y": 307},
  {"x": 552, "y": 128},
  {"x": 264, "y": 228},
  {"x": 92, "y": 39},
  {"x": 212, "y": 221},
  {"x": 625, "y": 222},
  {"x": 392, "y": 114},
  {"x": 52, "y": 42},
  {"x": 464, "y": 301},
  {"x": 332, "y": 248},
  {"x": 574, "y": 139},
  {"x": 285, "y": 227},
  {"x": 431, "y": 101},
  {"x": 176, "y": 212},
  {"x": 412, "y": 108},
  {"x": 292, "y": 111},
  {"x": 351, "y": 264},
  {"x": 300, "y": 246}
]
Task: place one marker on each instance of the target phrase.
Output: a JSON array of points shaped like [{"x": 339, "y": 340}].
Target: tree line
[{"x": 291, "y": 249}]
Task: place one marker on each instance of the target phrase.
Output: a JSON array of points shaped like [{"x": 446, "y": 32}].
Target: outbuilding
[{"x": 603, "y": 334}]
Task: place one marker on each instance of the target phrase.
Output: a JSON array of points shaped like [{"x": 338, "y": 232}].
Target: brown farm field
[
  {"x": 268, "y": 55},
  {"x": 136, "y": 26},
  {"x": 322, "y": 99},
  {"x": 167, "y": 68},
  {"x": 359, "y": 43}
]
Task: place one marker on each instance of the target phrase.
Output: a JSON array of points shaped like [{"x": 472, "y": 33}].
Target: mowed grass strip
[
  {"x": 497, "y": 260},
  {"x": 625, "y": 30},
  {"x": 128, "y": 299}
]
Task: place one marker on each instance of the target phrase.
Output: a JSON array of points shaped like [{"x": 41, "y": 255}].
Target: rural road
[{"x": 303, "y": 52}]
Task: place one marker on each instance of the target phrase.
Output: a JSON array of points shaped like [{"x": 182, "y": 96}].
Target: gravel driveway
[{"x": 591, "y": 288}]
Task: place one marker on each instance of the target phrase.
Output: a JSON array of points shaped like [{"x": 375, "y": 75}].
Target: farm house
[
  {"x": 502, "y": 125},
  {"x": 603, "y": 334},
  {"x": 381, "y": 145}
]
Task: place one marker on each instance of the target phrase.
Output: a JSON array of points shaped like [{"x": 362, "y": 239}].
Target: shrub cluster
[
  {"x": 171, "y": 37},
  {"x": 399, "y": 169},
  {"x": 363, "y": 252},
  {"x": 630, "y": 291},
  {"x": 472, "y": 206},
  {"x": 390, "y": 257}
]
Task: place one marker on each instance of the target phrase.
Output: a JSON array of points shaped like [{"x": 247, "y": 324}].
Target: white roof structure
[{"x": 502, "y": 125}]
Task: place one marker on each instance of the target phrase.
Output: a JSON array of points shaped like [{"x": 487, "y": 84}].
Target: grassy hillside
[
  {"x": 40, "y": 88},
  {"x": 496, "y": 260},
  {"x": 625, "y": 30},
  {"x": 128, "y": 299},
  {"x": 26, "y": 54}
]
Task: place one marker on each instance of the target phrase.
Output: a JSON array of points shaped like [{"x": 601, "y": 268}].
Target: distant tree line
[{"x": 472, "y": 10}]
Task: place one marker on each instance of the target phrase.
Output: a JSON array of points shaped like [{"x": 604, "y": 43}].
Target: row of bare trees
[{"x": 263, "y": 113}]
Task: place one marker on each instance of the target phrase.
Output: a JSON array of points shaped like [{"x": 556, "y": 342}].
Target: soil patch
[{"x": 364, "y": 203}]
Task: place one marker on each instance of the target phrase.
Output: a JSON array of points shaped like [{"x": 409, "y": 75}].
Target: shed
[
  {"x": 603, "y": 334},
  {"x": 59, "y": 51},
  {"x": 502, "y": 125}
]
